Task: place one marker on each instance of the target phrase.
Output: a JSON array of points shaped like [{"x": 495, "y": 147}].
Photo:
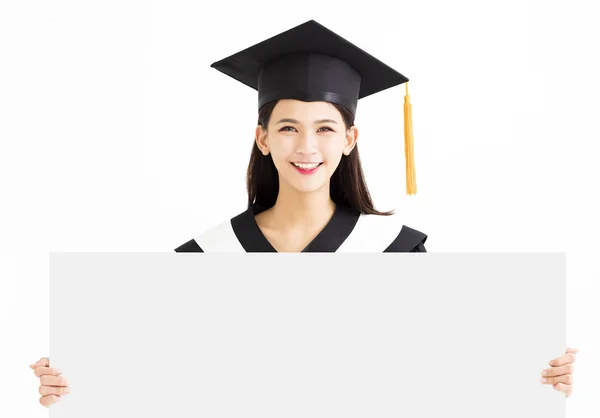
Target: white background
[{"x": 116, "y": 135}]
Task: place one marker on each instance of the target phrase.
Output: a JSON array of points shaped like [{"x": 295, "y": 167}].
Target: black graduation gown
[{"x": 347, "y": 231}]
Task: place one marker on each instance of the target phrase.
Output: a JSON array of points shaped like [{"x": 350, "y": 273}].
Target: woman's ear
[
  {"x": 351, "y": 138},
  {"x": 261, "y": 140}
]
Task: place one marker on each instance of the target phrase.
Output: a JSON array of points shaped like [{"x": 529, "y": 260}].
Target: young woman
[{"x": 306, "y": 191}]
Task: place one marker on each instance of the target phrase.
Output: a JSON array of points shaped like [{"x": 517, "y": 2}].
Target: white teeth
[{"x": 306, "y": 166}]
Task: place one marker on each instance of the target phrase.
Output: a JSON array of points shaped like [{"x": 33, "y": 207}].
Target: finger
[
  {"x": 572, "y": 350},
  {"x": 41, "y": 371},
  {"x": 44, "y": 361},
  {"x": 566, "y": 389},
  {"x": 49, "y": 380},
  {"x": 567, "y": 379},
  {"x": 559, "y": 361},
  {"x": 54, "y": 390},
  {"x": 49, "y": 400},
  {"x": 557, "y": 371}
]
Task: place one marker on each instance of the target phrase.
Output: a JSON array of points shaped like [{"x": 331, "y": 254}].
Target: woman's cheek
[
  {"x": 332, "y": 151},
  {"x": 282, "y": 149}
]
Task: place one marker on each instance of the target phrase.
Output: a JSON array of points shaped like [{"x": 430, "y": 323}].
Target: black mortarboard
[{"x": 311, "y": 63}]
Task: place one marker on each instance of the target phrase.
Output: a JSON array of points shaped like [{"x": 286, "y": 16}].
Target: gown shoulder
[
  {"x": 198, "y": 242},
  {"x": 190, "y": 246},
  {"x": 408, "y": 240},
  {"x": 384, "y": 233},
  {"x": 217, "y": 238},
  {"x": 389, "y": 234}
]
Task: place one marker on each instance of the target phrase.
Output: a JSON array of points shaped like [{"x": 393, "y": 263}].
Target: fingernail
[
  {"x": 67, "y": 390},
  {"x": 543, "y": 380},
  {"x": 544, "y": 373}
]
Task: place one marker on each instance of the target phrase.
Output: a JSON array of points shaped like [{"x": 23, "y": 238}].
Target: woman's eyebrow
[{"x": 316, "y": 122}]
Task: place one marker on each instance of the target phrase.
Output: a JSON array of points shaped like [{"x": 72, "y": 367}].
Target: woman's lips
[{"x": 306, "y": 168}]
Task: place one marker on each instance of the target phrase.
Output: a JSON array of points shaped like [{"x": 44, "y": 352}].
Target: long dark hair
[{"x": 347, "y": 185}]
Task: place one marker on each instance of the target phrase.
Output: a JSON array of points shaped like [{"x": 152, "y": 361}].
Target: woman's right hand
[{"x": 52, "y": 385}]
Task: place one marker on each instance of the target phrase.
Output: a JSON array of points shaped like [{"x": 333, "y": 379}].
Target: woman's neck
[{"x": 295, "y": 209}]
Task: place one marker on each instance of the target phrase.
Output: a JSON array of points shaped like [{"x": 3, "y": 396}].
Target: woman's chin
[
  {"x": 310, "y": 189},
  {"x": 307, "y": 185},
  {"x": 306, "y": 182}
]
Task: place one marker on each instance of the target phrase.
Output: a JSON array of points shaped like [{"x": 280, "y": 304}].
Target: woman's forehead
[{"x": 305, "y": 111}]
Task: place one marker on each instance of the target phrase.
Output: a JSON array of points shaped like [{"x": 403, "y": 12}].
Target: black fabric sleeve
[
  {"x": 420, "y": 248},
  {"x": 189, "y": 247},
  {"x": 408, "y": 240}
]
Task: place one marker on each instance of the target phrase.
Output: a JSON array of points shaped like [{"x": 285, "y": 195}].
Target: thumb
[{"x": 44, "y": 361}]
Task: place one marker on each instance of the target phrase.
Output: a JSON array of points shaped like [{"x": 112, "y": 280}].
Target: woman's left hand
[{"x": 560, "y": 375}]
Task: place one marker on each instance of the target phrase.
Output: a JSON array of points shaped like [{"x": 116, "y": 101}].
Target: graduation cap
[{"x": 310, "y": 62}]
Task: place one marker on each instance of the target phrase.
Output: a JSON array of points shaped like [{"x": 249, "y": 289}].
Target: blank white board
[{"x": 307, "y": 335}]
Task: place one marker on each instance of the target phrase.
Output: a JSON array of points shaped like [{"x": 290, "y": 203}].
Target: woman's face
[{"x": 306, "y": 141}]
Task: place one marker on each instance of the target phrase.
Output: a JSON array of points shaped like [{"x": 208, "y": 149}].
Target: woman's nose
[{"x": 307, "y": 144}]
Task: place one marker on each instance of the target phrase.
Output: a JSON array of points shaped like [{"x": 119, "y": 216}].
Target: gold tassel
[{"x": 411, "y": 178}]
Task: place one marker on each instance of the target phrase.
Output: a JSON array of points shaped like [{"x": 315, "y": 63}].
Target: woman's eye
[{"x": 323, "y": 127}]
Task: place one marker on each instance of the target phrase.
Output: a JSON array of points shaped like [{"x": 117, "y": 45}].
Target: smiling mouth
[{"x": 306, "y": 166}]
